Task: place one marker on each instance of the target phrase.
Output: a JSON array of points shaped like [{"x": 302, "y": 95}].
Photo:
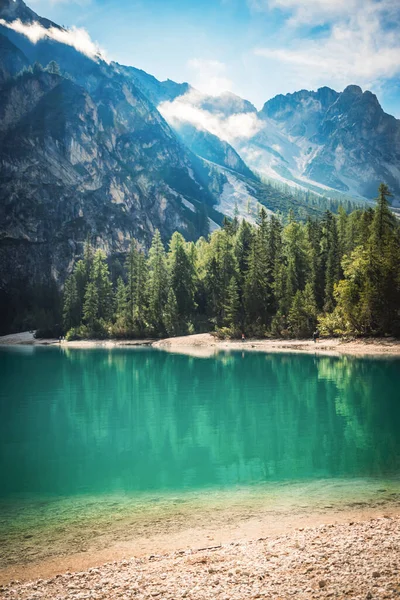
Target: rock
[{"x": 322, "y": 583}]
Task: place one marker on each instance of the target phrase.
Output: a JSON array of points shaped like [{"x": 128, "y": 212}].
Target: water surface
[{"x": 85, "y": 434}]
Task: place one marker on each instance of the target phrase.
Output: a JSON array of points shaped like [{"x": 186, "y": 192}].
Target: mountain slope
[
  {"x": 323, "y": 140},
  {"x": 341, "y": 140},
  {"x": 77, "y": 160}
]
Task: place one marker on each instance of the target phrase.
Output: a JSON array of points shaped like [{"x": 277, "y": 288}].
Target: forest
[{"x": 340, "y": 273}]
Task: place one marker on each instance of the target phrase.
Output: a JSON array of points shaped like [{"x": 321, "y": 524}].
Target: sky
[{"x": 254, "y": 48}]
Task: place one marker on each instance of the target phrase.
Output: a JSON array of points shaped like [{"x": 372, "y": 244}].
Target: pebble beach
[{"x": 354, "y": 560}]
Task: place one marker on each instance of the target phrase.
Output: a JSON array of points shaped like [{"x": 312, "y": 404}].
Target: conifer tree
[
  {"x": 136, "y": 288},
  {"x": 53, "y": 68},
  {"x": 157, "y": 281},
  {"x": 232, "y": 307},
  {"x": 384, "y": 264},
  {"x": 332, "y": 259},
  {"x": 91, "y": 307},
  {"x": 100, "y": 277},
  {"x": 71, "y": 308},
  {"x": 121, "y": 305},
  {"x": 171, "y": 316},
  {"x": 181, "y": 275},
  {"x": 258, "y": 292}
]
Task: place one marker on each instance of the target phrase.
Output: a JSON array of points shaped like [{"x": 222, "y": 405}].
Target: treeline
[
  {"x": 341, "y": 272},
  {"x": 315, "y": 200}
]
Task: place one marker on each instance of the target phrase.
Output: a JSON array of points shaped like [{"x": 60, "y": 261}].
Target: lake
[{"x": 86, "y": 435}]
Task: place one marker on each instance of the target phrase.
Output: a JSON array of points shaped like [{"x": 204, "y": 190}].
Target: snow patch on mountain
[{"x": 238, "y": 199}]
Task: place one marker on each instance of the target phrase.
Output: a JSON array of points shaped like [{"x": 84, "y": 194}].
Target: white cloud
[
  {"x": 361, "y": 46},
  {"x": 317, "y": 12},
  {"x": 308, "y": 11},
  {"x": 230, "y": 128},
  {"x": 76, "y": 37},
  {"x": 209, "y": 76}
]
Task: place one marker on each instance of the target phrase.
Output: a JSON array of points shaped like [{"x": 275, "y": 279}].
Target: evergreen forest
[{"x": 340, "y": 273}]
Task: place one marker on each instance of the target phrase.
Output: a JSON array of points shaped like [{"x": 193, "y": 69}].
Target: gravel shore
[
  {"x": 206, "y": 345},
  {"x": 357, "y": 561}
]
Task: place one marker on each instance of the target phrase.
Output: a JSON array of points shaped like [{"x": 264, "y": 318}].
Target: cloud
[
  {"x": 361, "y": 44},
  {"x": 209, "y": 76},
  {"x": 187, "y": 108},
  {"x": 307, "y": 11},
  {"x": 211, "y": 108},
  {"x": 76, "y": 37},
  {"x": 319, "y": 12}
]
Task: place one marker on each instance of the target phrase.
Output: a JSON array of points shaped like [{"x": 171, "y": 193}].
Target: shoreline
[
  {"x": 191, "y": 540},
  {"x": 354, "y": 558},
  {"x": 75, "y": 538},
  {"x": 206, "y": 345}
]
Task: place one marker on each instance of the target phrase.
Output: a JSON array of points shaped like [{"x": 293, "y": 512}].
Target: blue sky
[{"x": 254, "y": 48}]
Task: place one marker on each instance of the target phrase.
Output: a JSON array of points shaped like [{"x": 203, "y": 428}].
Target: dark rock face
[
  {"x": 84, "y": 154},
  {"x": 12, "y": 59}
]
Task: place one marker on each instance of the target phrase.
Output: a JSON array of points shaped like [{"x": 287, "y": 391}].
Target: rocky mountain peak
[
  {"x": 11, "y": 10},
  {"x": 352, "y": 90},
  {"x": 357, "y": 105},
  {"x": 16, "y": 9}
]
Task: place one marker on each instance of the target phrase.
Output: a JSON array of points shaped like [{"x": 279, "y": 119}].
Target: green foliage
[
  {"x": 171, "y": 318},
  {"x": 71, "y": 312},
  {"x": 77, "y": 333},
  {"x": 53, "y": 68},
  {"x": 157, "y": 282},
  {"x": 341, "y": 271},
  {"x": 182, "y": 275},
  {"x": 302, "y": 316}
]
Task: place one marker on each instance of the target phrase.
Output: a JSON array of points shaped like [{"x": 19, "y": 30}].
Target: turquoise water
[
  {"x": 94, "y": 421},
  {"x": 142, "y": 423}
]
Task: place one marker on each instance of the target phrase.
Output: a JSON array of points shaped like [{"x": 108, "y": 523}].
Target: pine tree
[
  {"x": 71, "y": 308},
  {"x": 100, "y": 277},
  {"x": 81, "y": 278},
  {"x": 171, "y": 317},
  {"x": 383, "y": 226},
  {"x": 221, "y": 266},
  {"x": 140, "y": 292},
  {"x": 302, "y": 316},
  {"x": 53, "y": 68},
  {"x": 258, "y": 291},
  {"x": 384, "y": 264},
  {"x": 232, "y": 307},
  {"x": 332, "y": 260},
  {"x": 121, "y": 305},
  {"x": 181, "y": 275},
  {"x": 136, "y": 288},
  {"x": 91, "y": 307},
  {"x": 158, "y": 281}
]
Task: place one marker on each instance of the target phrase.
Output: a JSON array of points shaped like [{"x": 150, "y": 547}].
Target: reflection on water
[
  {"x": 99, "y": 440},
  {"x": 98, "y": 421}
]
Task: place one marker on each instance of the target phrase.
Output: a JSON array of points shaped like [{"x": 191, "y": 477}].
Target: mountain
[
  {"x": 83, "y": 152},
  {"x": 326, "y": 141},
  {"x": 344, "y": 140},
  {"x": 91, "y": 148}
]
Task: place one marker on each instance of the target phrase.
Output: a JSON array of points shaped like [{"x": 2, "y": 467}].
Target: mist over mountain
[
  {"x": 91, "y": 148},
  {"x": 323, "y": 140}
]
